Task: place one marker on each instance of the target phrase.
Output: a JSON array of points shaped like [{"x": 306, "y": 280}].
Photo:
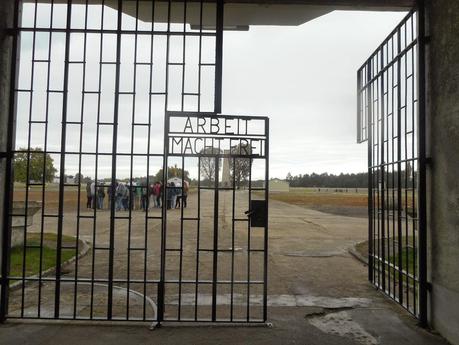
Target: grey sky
[{"x": 302, "y": 77}]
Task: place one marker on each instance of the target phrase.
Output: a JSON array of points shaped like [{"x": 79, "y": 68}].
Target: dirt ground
[{"x": 317, "y": 292}]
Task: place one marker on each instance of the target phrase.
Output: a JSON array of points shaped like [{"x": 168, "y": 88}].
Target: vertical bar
[
  {"x": 383, "y": 180},
  {"x": 181, "y": 244},
  {"x": 219, "y": 57},
  {"x": 198, "y": 235},
  {"x": 422, "y": 165},
  {"x": 114, "y": 166},
  {"x": 399, "y": 179},
  {"x": 132, "y": 190},
  {"x": 233, "y": 240},
  {"x": 150, "y": 104},
  {"x": 215, "y": 248},
  {"x": 265, "y": 263},
  {"x": 77, "y": 239},
  {"x": 43, "y": 194},
  {"x": 161, "y": 289},
  {"x": 370, "y": 178},
  {"x": 248, "y": 240},
  {"x": 9, "y": 183},
  {"x": 62, "y": 165},
  {"x": 112, "y": 189},
  {"x": 29, "y": 134}
]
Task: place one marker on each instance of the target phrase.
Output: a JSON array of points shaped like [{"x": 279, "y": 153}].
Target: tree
[
  {"x": 79, "y": 178},
  {"x": 240, "y": 167},
  {"x": 207, "y": 168},
  {"x": 37, "y": 168},
  {"x": 171, "y": 172}
]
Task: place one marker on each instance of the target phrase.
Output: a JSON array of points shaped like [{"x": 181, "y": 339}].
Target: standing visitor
[
  {"x": 125, "y": 198},
  {"x": 174, "y": 193},
  {"x": 144, "y": 198},
  {"x": 151, "y": 196},
  {"x": 93, "y": 195},
  {"x": 169, "y": 191},
  {"x": 185, "y": 189},
  {"x": 119, "y": 194},
  {"x": 160, "y": 194},
  {"x": 138, "y": 196},
  {"x": 178, "y": 193},
  {"x": 157, "y": 194},
  {"x": 88, "y": 195},
  {"x": 100, "y": 196},
  {"x": 109, "y": 195}
]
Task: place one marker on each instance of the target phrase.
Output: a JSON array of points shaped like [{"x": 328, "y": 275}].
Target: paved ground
[{"x": 318, "y": 293}]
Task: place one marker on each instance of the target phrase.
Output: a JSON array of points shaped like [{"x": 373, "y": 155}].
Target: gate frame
[
  {"x": 265, "y": 158},
  {"x": 364, "y": 133}
]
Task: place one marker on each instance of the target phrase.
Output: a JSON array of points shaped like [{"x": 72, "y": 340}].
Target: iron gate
[
  {"x": 93, "y": 81},
  {"x": 391, "y": 118},
  {"x": 215, "y": 254}
]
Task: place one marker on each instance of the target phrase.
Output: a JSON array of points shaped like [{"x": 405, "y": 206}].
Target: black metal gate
[
  {"x": 215, "y": 244},
  {"x": 93, "y": 81},
  {"x": 391, "y": 117}
]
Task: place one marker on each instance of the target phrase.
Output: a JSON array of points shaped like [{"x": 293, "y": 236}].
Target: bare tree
[
  {"x": 240, "y": 167},
  {"x": 208, "y": 164}
]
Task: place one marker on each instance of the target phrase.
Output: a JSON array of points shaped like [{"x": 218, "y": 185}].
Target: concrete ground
[{"x": 318, "y": 293}]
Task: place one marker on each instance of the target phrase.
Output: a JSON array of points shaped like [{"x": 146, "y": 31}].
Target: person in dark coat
[
  {"x": 100, "y": 196},
  {"x": 88, "y": 195}
]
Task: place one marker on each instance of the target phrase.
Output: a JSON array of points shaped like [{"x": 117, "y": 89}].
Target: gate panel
[
  {"x": 391, "y": 119},
  {"x": 215, "y": 246},
  {"x": 94, "y": 81}
]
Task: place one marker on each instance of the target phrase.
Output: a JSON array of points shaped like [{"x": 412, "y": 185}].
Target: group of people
[
  {"x": 95, "y": 195},
  {"x": 136, "y": 196},
  {"x": 177, "y": 195}
]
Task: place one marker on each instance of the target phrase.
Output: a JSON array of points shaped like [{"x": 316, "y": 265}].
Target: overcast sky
[{"x": 303, "y": 78}]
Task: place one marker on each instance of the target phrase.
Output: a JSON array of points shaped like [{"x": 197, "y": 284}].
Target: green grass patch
[
  {"x": 32, "y": 255},
  {"x": 407, "y": 255}
]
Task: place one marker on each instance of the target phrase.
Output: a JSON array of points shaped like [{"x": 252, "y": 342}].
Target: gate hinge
[
  {"x": 427, "y": 39},
  {"x": 429, "y": 160}
]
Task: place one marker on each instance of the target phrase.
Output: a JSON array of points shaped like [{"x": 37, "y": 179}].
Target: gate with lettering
[{"x": 215, "y": 228}]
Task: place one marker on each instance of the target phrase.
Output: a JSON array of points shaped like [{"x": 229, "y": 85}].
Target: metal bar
[
  {"x": 43, "y": 194},
  {"x": 122, "y": 32},
  {"x": 147, "y": 191},
  {"x": 198, "y": 237},
  {"x": 421, "y": 33},
  {"x": 233, "y": 216},
  {"x": 248, "y": 243},
  {"x": 266, "y": 234},
  {"x": 80, "y": 145},
  {"x": 9, "y": 182},
  {"x": 219, "y": 57},
  {"x": 114, "y": 163},
  {"x": 215, "y": 247},
  {"x": 132, "y": 189},
  {"x": 383, "y": 175},
  {"x": 181, "y": 243},
  {"x": 62, "y": 167},
  {"x": 94, "y": 228},
  {"x": 399, "y": 180},
  {"x": 370, "y": 182}
]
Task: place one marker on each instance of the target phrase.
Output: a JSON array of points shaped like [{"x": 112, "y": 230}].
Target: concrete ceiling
[{"x": 240, "y": 14}]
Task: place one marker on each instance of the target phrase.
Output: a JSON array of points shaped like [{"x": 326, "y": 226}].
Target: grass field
[
  {"x": 32, "y": 257},
  {"x": 342, "y": 203}
]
